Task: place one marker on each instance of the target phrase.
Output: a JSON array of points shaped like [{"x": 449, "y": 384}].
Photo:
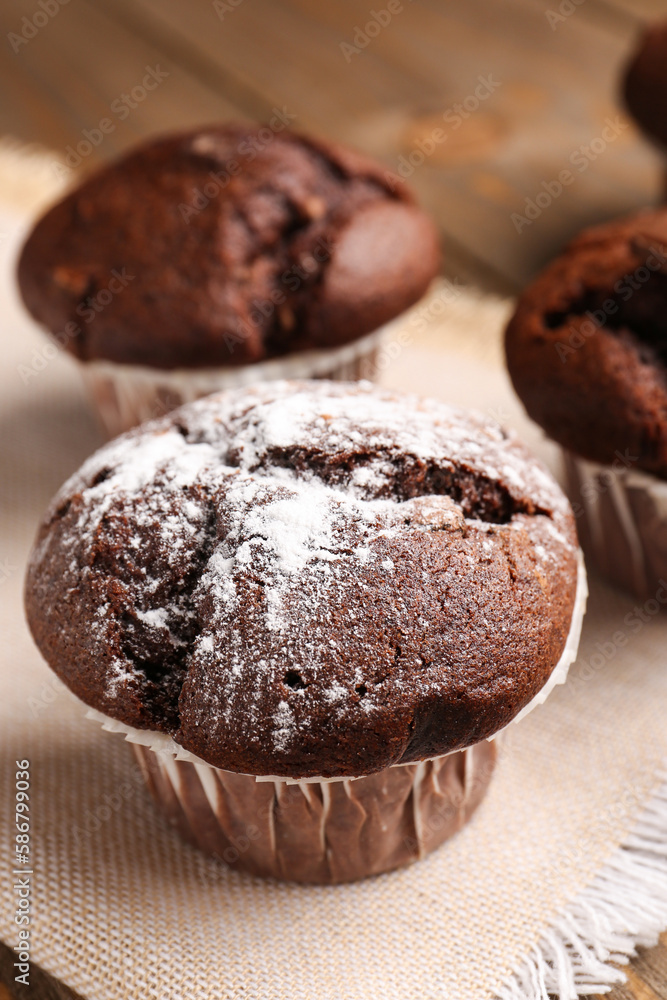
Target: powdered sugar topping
[{"x": 232, "y": 529}]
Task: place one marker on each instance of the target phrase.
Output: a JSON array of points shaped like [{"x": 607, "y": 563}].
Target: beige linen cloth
[{"x": 536, "y": 894}]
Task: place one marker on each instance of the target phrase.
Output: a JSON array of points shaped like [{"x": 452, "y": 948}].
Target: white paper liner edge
[
  {"x": 160, "y": 743},
  {"x": 300, "y": 364}
]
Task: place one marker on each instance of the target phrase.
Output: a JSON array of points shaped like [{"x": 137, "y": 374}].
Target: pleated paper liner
[
  {"x": 622, "y": 523},
  {"x": 126, "y": 395}
]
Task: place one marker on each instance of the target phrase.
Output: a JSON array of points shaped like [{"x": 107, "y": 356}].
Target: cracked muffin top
[
  {"x": 225, "y": 246},
  {"x": 644, "y": 85},
  {"x": 308, "y": 578},
  {"x": 587, "y": 344}
]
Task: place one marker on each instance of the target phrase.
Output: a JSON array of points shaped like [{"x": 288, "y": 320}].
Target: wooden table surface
[{"x": 482, "y": 102}]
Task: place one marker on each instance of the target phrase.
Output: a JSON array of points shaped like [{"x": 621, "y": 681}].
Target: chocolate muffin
[
  {"x": 644, "y": 85},
  {"x": 586, "y": 350},
  {"x": 222, "y": 248},
  {"x": 295, "y": 580}
]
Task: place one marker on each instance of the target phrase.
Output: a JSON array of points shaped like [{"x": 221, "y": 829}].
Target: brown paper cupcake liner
[
  {"x": 320, "y": 832},
  {"x": 126, "y": 395},
  {"x": 622, "y": 523}
]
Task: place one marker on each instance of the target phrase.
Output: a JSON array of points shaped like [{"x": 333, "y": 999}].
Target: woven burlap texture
[{"x": 123, "y": 910}]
